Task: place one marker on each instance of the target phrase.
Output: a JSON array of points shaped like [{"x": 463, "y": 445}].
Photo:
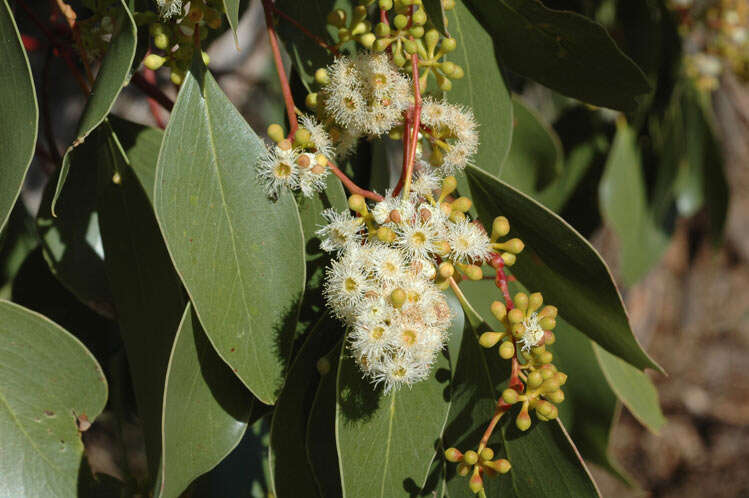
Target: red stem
[
  {"x": 152, "y": 91},
  {"x": 351, "y": 186},
  {"x": 150, "y": 76},
  {"x": 285, "y": 88}
]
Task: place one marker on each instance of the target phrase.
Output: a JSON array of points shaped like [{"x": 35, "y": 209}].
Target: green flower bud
[
  {"x": 547, "y": 323},
  {"x": 521, "y": 301},
  {"x": 367, "y": 40},
  {"x": 535, "y": 301},
  {"x": 561, "y": 378},
  {"x": 473, "y": 272},
  {"x": 357, "y": 203},
  {"x": 546, "y": 357},
  {"x": 448, "y": 45},
  {"x": 177, "y": 76},
  {"x": 535, "y": 379},
  {"x": 500, "y": 227},
  {"x": 453, "y": 455},
  {"x": 510, "y": 396},
  {"x": 400, "y": 21},
  {"x": 547, "y": 371},
  {"x": 359, "y": 13},
  {"x": 555, "y": 396},
  {"x": 461, "y": 204},
  {"x": 381, "y": 45},
  {"x": 322, "y": 77},
  {"x": 399, "y": 59},
  {"x": 398, "y": 297},
  {"x": 470, "y": 457},
  {"x": 499, "y": 310},
  {"x": 486, "y": 454},
  {"x": 311, "y": 100},
  {"x": 409, "y": 46},
  {"x": 523, "y": 420},
  {"x": 463, "y": 469},
  {"x": 161, "y": 41},
  {"x": 515, "y": 316},
  {"x": 359, "y": 29},
  {"x": 386, "y": 234},
  {"x": 337, "y": 18},
  {"x": 549, "y": 385},
  {"x": 344, "y": 35},
  {"x": 446, "y": 270},
  {"x": 507, "y": 350},
  {"x": 458, "y": 73},
  {"x": 275, "y": 132},
  {"x": 431, "y": 38},
  {"x": 502, "y": 465},
  {"x": 549, "y": 310},
  {"x": 385, "y": 4},
  {"x": 544, "y": 408},
  {"x": 153, "y": 61},
  {"x": 476, "y": 483},
  {"x": 444, "y": 83},
  {"x": 508, "y": 258},
  {"x": 382, "y": 30},
  {"x": 449, "y": 184},
  {"x": 416, "y": 31},
  {"x": 456, "y": 216},
  {"x": 157, "y": 29},
  {"x": 302, "y": 137},
  {"x": 490, "y": 339},
  {"x": 419, "y": 17}
]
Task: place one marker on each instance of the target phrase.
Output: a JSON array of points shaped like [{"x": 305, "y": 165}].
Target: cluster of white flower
[
  {"x": 169, "y": 8},
  {"x": 385, "y": 283},
  {"x": 450, "y": 123},
  {"x": 302, "y": 165}
]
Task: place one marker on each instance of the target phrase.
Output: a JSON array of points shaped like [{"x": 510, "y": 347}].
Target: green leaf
[
  {"x": 147, "y": 292},
  {"x": 289, "y": 426},
  {"x": 47, "y": 380},
  {"x": 306, "y": 55},
  {"x": 18, "y": 127},
  {"x": 563, "y": 265},
  {"x": 322, "y": 454},
  {"x": 113, "y": 75},
  {"x": 482, "y": 89},
  {"x": 141, "y": 143},
  {"x": 240, "y": 256},
  {"x": 206, "y": 409},
  {"x": 562, "y": 50},
  {"x": 231, "y": 7},
  {"x": 310, "y": 212},
  {"x": 590, "y": 407},
  {"x": 622, "y": 196},
  {"x": 535, "y": 157},
  {"x": 576, "y": 164},
  {"x": 71, "y": 242},
  {"x": 633, "y": 387},
  {"x": 386, "y": 443},
  {"x": 436, "y": 14}
]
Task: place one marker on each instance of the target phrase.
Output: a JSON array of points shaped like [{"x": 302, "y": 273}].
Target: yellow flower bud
[
  {"x": 476, "y": 483},
  {"x": 490, "y": 339},
  {"x": 500, "y": 227},
  {"x": 357, "y": 203},
  {"x": 523, "y": 421},
  {"x": 555, "y": 396},
  {"x": 510, "y": 396},
  {"x": 473, "y": 272},
  {"x": 507, "y": 350},
  {"x": 471, "y": 457},
  {"x": 275, "y": 132},
  {"x": 154, "y": 61},
  {"x": 486, "y": 454},
  {"x": 461, "y": 204},
  {"x": 515, "y": 316},
  {"x": 446, "y": 270},
  {"x": 453, "y": 455},
  {"x": 398, "y": 297},
  {"x": 535, "y": 379},
  {"x": 521, "y": 301},
  {"x": 449, "y": 184},
  {"x": 535, "y": 301}
]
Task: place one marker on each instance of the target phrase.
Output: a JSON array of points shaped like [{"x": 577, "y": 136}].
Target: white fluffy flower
[
  {"x": 318, "y": 136},
  {"x": 468, "y": 242},
  {"x": 462, "y": 136},
  {"x": 388, "y": 264},
  {"x": 169, "y": 8},
  {"x": 342, "y": 229},
  {"x": 418, "y": 239},
  {"x": 398, "y": 370},
  {"x": 533, "y": 332},
  {"x": 277, "y": 170},
  {"x": 426, "y": 180},
  {"x": 345, "y": 287}
]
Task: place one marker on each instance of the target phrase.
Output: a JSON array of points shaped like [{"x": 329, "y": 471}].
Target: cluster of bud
[
  {"x": 173, "y": 34},
  {"x": 299, "y": 164},
  {"x": 479, "y": 464}
]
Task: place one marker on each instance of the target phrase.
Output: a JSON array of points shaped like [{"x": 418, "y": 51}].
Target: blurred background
[{"x": 682, "y": 160}]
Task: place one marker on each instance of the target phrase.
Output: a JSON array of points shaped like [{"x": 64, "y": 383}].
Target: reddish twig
[
  {"x": 152, "y": 91},
  {"x": 333, "y": 50},
  {"x": 150, "y": 76},
  {"x": 71, "y": 17},
  {"x": 285, "y": 88},
  {"x": 415, "y": 122},
  {"x": 351, "y": 186}
]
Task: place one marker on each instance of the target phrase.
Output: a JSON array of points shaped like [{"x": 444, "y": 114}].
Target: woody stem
[{"x": 285, "y": 88}]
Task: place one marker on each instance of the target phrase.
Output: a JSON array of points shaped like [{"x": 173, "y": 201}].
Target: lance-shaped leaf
[
  {"x": 289, "y": 426},
  {"x": 147, "y": 293},
  {"x": 624, "y": 208},
  {"x": 239, "y": 255},
  {"x": 231, "y": 8},
  {"x": 206, "y": 409},
  {"x": 49, "y": 383},
  {"x": 113, "y": 74},
  {"x": 436, "y": 13},
  {"x": 563, "y": 265},
  {"x": 482, "y": 90},
  {"x": 322, "y": 453},
  {"x": 18, "y": 127},
  {"x": 386, "y": 442},
  {"x": 71, "y": 242},
  {"x": 535, "y": 157},
  {"x": 544, "y": 460},
  {"x": 562, "y": 50}
]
